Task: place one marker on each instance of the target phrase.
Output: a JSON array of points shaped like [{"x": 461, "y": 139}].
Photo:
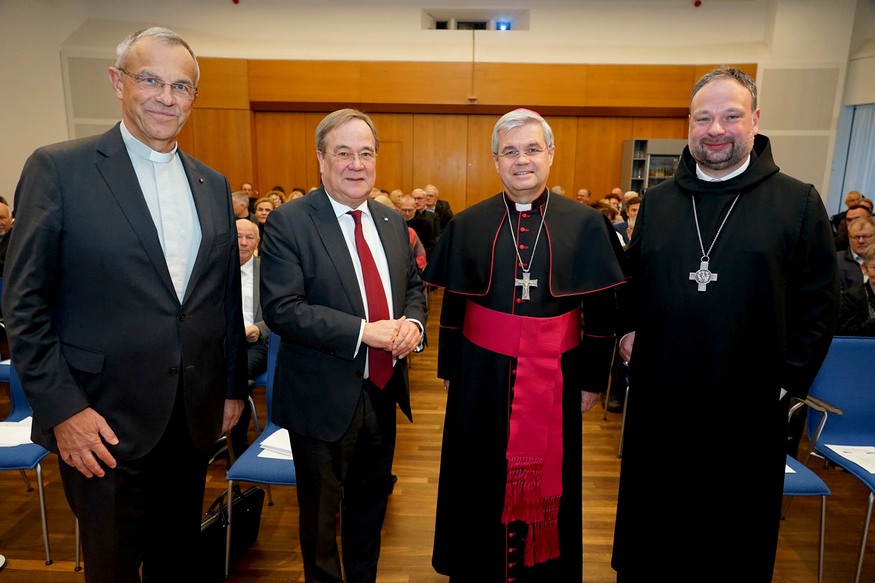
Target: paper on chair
[
  {"x": 788, "y": 469},
  {"x": 862, "y": 455},
  {"x": 14, "y": 433},
  {"x": 277, "y": 445}
]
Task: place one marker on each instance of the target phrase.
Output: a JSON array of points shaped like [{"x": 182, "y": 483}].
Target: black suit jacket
[
  {"x": 442, "y": 210},
  {"x": 311, "y": 298},
  {"x": 850, "y": 273},
  {"x": 855, "y": 317},
  {"x": 91, "y": 312}
]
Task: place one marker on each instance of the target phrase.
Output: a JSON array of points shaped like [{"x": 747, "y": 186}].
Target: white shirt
[
  {"x": 247, "y": 274},
  {"x": 167, "y": 193}
]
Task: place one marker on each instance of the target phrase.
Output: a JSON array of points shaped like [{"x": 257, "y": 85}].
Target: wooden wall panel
[
  {"x": 530, "y": 85},
  {"x": 639, "y": 86},
  {"x": 659, "y": 128},
  {"x": 222, "y": 140},
  {"x": 431, "y": 83},
  {"x": 224, "y": 84},
  {"x": 395, "y": 161},
  {"x": 304, "y": 81},
  {"x": 286, "y": 151},
  {"x": 565, "y": 159},
  {"x": 482, "y": 180},
  {"x": 600, "y": 153},
  {"x": 441, "y": 155}
]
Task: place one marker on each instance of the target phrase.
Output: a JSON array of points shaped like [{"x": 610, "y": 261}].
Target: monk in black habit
[
  {"x": 733, "y": 288},
  {"x": 517, "y": 269}
]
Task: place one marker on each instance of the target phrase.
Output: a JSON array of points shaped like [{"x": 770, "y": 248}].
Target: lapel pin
[
  {"x": 201, "y": 180},
  {"x": 386, "y": 218}
]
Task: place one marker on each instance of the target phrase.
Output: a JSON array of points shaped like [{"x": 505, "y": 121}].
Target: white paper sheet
[
  {"x": 277, "y": 445},
  {"x": 788, "y": 469},
  {"x": 862, "y": 455},
  {"x": 15, "y": 433}
]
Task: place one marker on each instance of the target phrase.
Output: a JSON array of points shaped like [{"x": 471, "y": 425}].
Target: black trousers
[
  {"x": 352, "y": 476},
  {"x": 145, "y": 512}
]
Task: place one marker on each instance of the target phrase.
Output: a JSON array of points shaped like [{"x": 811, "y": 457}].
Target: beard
[{"x": 725, "y": 159}]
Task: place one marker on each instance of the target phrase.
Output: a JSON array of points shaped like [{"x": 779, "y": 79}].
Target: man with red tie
[{"x": 339, "y": 284}]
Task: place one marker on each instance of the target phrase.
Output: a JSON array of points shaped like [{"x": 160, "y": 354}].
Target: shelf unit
[{"x": 647, "y": 162}]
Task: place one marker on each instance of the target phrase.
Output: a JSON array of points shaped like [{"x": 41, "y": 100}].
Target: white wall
[{"x": 779, "y": 35}]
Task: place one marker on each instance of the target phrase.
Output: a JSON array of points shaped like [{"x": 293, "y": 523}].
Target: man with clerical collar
[
  {"x": 516, "y": 270},
  {"x": 731, "y": 302}
]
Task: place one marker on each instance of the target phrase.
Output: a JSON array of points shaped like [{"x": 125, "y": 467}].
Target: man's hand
[
  {"x": 626, "y": 343},
  {"x": 407, "y": 340},
  {"x": 252, "y": 334},
  {"x": 400, "y": 337},
  {"x": 587, "y": 400},
  {"x": 233, "y": 408},
  {"x": 80, "y": 442}
]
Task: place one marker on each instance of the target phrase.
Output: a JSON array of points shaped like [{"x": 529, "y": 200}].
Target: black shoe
[{"x": 615, "y": 405}]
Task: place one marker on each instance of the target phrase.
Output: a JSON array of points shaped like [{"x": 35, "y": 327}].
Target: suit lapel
[
  {"x": 328, "y": 229},
  {"x": 118, "y": 172},
  {"x": 203, "y": 202}
]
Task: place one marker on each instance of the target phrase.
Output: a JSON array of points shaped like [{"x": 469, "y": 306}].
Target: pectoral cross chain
[
  {"x": 703, "y": 277},
  {"x": 525, "y": 283}
]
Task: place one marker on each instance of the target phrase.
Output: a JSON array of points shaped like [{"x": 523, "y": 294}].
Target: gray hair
[
  {"x": 338, "y": 118},
  {"x": 728, "y": 73},
  {"x": 517, "y": 118},
  {"x": 165, "y": 35}
]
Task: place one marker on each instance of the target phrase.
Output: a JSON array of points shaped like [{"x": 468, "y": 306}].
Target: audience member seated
[
  {"x": 263, "y": 206},
  {"x": 427, "y": 225},
  {"x": 276, "y": 197},
  {"x": 257, "y": 333},
  {"x": 852, "y": 198},
  {"x": 857, "y": 312},
  {"x": 433, "y": 204},
  {"x": 241, "y": 205},
  {"x": 855, "y": 212},
  {"x": 583, "y": 196},
  {"x": 861, "y": 234},
  {"x": 415, "y": 243},
  {"x": 631, "y": 205}
]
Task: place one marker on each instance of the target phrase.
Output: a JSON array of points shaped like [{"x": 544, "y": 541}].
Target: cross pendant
[
  {"x": 525, "y": 283},
  {"x": 703, "y": 277}
]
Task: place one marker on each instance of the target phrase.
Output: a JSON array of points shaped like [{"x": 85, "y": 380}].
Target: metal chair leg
[
  {"x": 228, "y": 530},
  {"x": 865, "y": 536},
  {"x": 26, "y": 481},
  {"x": 78, "y": 566},
  {"x": 42, "y": 507}
]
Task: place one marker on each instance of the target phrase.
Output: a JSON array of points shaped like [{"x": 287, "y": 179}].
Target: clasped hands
[{"x": 400, "y": 337}]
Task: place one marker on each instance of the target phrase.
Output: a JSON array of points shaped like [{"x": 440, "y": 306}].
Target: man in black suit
[
  {"x": 852, "y": 198},
  {"x": 334, "y": 356},
  {"x": 861, "y": 234},
  {"x": 427, "y": 225},
  {"x": 122, "y": 306},
  {"x": 433, "y": 204},
  {"x": 257, "y": 332}
]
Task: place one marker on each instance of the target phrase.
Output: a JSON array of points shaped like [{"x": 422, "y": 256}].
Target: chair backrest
[
  {"x": 20, "y": 406},
  {"x": 846, "y": 380}
]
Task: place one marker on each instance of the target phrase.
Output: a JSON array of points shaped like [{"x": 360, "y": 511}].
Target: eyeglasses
[
  {"x": 861, "y": 237},
  {"x": 155, "y": 85},
  {"x": 530, "y": 152},
  {"x": 345, "y": 156}
]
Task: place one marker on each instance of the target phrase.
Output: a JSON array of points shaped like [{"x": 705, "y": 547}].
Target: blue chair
[
  {"x": 251, "y": 468},
  {"x": 802, "y": 481},
  {"x": 27, "y": 456},
  {"x": 846, "y": 388}
]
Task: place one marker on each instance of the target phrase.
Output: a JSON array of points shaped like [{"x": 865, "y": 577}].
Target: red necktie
[{"x": 379, "y": 361}]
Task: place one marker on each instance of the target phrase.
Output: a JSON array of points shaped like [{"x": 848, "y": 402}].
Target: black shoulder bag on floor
[{"x": 214, "y": 527}]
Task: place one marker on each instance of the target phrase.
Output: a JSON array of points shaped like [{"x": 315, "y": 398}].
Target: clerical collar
[
  {"x": 140, "y": 149},
  {"x": 702, "y": 176}
]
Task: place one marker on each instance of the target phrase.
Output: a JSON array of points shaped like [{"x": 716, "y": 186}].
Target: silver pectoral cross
[
  {"x": 703, "y": 277},
  {"x": 525, "y": 283}
]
